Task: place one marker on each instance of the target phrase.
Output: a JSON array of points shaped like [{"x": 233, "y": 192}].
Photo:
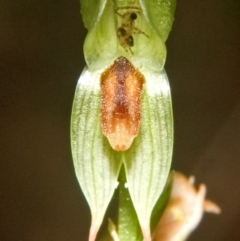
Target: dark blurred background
[{"x": 41, "y": 59}]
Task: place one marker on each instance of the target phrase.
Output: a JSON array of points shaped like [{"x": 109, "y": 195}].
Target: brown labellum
[{"x": 121, "y": 88}]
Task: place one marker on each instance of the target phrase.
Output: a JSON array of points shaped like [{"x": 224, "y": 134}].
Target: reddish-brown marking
[{"x": 121, "y": 88}]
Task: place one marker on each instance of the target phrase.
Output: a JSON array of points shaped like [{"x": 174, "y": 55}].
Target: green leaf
[
  {"x": 148, "y": 161},
  {"x": 91, "y": 11},
  {"x": 160, "y": 15},
  {"x": 96, "y": 164}
]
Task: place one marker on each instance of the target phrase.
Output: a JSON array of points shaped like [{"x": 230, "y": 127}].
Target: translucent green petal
[
  {"x": 91, "y": 11},
  {"x": 96, "y": 164},
  {"x": 148, "y": 160},
  {"x": 160, "y": 15},
  {"x": 102, "y": 46}
]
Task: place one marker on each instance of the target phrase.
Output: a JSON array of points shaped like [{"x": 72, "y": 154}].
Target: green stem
[{"x": 128, "y": 225}]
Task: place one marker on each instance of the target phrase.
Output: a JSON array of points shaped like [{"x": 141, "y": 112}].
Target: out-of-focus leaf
[
  {"x": 160, "y": 15},
  {"x": 148, "y": 161},
  {"x": 96, "y": 164}
]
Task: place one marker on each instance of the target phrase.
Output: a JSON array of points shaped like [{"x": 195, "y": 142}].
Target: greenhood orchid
[{"x": 122, "y": 110}]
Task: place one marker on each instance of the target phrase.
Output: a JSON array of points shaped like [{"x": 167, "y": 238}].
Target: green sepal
[
  {"x": 147, "y": 162},
  {"x": 96, "y": 164},
  {"x": 161, "y": 203}
]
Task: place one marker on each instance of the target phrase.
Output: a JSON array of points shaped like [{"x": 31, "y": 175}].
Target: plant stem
[{"x": 128, "y": 226}]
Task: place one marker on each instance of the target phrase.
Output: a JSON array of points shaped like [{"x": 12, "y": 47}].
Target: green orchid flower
[{"x": 122, "y": 111}]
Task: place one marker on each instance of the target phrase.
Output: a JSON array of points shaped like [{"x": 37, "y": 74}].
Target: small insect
[
  {"x": 127, "y": 28},
  {"x": 121, "y": 89}
]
